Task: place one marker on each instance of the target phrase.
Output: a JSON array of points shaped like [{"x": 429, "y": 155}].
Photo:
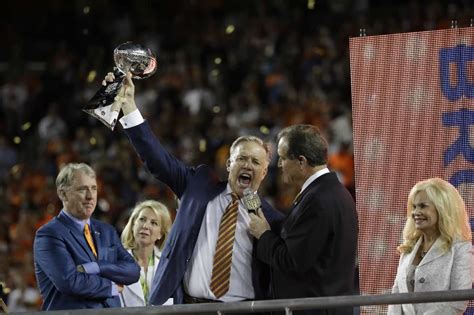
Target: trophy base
[
  {"x": 104, "y": 114},
  {"x": 100, "y": 105}
]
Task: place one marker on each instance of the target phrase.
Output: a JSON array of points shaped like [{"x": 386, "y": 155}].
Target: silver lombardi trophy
[{"x": 128, "y": 57}]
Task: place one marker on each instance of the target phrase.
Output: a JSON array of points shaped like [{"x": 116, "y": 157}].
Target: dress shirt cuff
[
  {"x": 132, "y": 119},
  {"x": 115, "y": 291},
  {"x": 91, "y": 268}
]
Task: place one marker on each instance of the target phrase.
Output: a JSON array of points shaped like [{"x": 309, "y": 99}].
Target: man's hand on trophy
[
  {"x": 118, "y": 91},
  {"x": 125, "y": 98}
]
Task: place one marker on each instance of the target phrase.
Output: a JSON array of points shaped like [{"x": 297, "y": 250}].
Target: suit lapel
[
  {"x": 154, "y": 283},
  {"x": 136, "y": 288},
  {"x": 76, "y": 233},
  {"x": 403, "y": 285},
  {"x": 97, "y": 236},
  {"x": 157, "y": 259},
  {"x": 295, "y": 208},
  {"x": 434, "y": 252},
  {"x": 293, "y": 212},
  {"x": 311, "y": 188},
  {"x": 411, "y": 256}
]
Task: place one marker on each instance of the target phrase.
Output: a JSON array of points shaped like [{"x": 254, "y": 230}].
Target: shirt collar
[
  {"x": 228, "y": 193},
  {"x": 313, "y": 177},
  {"x": 79, "y": 223}
]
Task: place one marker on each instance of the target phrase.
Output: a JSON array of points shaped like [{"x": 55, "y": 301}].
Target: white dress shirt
[
  {"x": 313, "y": 177},
  {"x": 132, "y": 119},
  {"x": 198, "y": 274},
  {"x": 132, "y": 295}
]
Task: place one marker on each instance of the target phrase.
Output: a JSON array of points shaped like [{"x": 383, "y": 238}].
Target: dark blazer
[
  {"x": 195, "y": 187},
  {"x": 60, "y": 246},
  {"x": 314, "y": 255}
]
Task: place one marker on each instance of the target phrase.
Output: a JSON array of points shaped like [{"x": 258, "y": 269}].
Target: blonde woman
[
  {"x": 144, "y": 237},
  {"x": 436, "y": 251}
]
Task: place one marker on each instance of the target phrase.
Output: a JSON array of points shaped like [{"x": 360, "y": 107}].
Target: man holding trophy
[{"x": 208, "y": 256}]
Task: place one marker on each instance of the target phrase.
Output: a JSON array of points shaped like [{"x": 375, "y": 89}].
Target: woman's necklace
[{"x": 426, "y": 245}]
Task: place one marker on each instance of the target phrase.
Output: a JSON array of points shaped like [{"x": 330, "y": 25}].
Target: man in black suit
[{"x": 314, "y": 254}]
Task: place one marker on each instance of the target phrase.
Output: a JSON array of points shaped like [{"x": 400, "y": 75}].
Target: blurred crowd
[{"x": 226, "y": 68}]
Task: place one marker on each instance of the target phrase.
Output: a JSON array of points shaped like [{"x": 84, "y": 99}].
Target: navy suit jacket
[
  {"x": 195, "y": 187},
  {"x": 60, "y": 246}
]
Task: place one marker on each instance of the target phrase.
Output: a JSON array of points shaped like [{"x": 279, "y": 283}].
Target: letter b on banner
[{"x": 461, "y": 57}]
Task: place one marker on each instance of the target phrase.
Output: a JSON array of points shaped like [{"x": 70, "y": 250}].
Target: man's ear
[
  {"x": 228, "y": 165},
  {"x": 62, "y": 195},
  {"x": 302, "y": 160}
]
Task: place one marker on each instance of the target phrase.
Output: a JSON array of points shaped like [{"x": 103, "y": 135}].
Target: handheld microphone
[{"x": 251, "y": 201}]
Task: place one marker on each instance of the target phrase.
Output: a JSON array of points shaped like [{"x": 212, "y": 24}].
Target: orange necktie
[
  {"x": 220, "y": 279},
  {"x": 90, "y": 241}
]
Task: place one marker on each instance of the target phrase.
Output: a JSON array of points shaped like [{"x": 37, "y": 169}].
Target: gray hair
[
  {"x": 263, "y": 144},
  {"x": 66, "y": 174}
]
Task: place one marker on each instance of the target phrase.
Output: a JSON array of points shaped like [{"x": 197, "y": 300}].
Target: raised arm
[{"x": 161, "y": 163}]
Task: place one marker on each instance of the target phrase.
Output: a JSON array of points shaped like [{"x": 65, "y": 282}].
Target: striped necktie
[
  {"x": 90, "y": 241},
  {"x": 220, "y": 279}
]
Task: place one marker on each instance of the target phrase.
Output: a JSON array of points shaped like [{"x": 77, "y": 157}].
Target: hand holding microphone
[{"x": 258, "y": 224}]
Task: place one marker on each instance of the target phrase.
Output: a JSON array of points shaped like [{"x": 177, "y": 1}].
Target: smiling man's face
[{"x": 247, "y": 166}]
